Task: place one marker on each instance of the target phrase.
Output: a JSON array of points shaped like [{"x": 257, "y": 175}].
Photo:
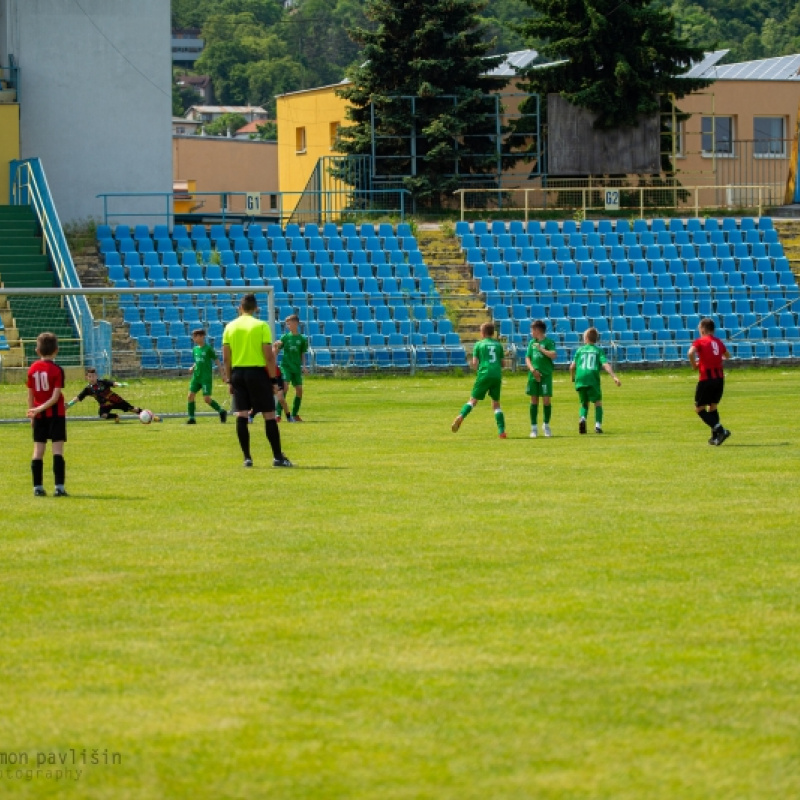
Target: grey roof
[
  {"x": 700, "y": 68},
  {"x": 513, "y": 62},
  {"x": 782, "y": 68}
]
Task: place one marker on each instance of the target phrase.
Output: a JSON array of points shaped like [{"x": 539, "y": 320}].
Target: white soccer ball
[{"x": 145, "y": 416}]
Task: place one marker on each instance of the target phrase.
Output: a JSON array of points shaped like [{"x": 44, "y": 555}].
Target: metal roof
[
  {"x": 512, "y": 63},
  {"x": 700, "y": 68},
  {"x": 782, "y": 68}
]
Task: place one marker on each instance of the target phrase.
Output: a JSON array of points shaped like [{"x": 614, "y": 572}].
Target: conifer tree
[
  {"x": 435, "y": 52},
  {"x": 616, "y": 57}
]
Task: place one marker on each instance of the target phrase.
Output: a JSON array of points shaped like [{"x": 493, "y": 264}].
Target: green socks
[
  {"x": 296, "y": 405},
  {"x": 534, "y": 413},
  {"x": 216, "y": 406},
  {"x": 465, "y": 409},
  {"x": 500, "y": 420},
  {"x": 598, "y": 414},
  {"x": 190, "y": 407},
  {"x": 548, "y": 410}
]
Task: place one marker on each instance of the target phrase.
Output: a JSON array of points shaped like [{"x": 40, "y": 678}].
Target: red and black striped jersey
[{"x": 44, "y": 377}]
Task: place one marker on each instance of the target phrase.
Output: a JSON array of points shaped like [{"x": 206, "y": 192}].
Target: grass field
[{"x": 411, "y": 613}]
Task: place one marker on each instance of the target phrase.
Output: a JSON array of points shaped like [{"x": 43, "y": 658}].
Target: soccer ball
[{"x": 145, "y": 416}]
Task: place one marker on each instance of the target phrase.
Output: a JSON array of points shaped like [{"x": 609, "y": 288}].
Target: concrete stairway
[
  {"x": 125, "y": 358},
  {"x": 789, "y": 234},
  {"x": 23, "y": 264},
  {"x": 445, "y": 261}
]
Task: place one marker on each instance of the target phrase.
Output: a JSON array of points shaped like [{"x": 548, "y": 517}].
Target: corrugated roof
[
  {"x": 700, "y": 68},
  {"x": 782, "y": 68},
  {"x": 512, "y": 63}
]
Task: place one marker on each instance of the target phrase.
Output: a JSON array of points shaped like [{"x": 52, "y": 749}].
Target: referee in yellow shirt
[{"x": 251, "y": 370}]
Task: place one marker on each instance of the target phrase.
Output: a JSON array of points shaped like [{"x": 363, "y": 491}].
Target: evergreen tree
[
  {"x": 433, "y": 51},
  {"x": 616, "y": 58}
]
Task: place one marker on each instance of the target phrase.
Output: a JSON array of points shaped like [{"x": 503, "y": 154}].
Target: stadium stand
[
  {"x": 363, "y": 295},
  {"x": 644, "y": 289}
]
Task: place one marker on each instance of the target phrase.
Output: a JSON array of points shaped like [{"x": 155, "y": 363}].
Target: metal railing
[
  {"x": 29, "y": 187},
  {"x": 10, "y": 76},
  {"x": 617, "y": 199},
  {"x": 330, "y": 205}
]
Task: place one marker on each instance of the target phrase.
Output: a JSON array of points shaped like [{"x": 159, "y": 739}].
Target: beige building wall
[
  {"x": 219, "y": 164},
  {"x": 742, "y": 101}
]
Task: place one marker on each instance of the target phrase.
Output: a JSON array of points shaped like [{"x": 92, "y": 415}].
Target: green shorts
[
  {"x": 542, "y": 388},
  {"x": 590, "y": 394},
  {"x": 487, "y": 385},
  {"x": 198, "y": 385},
  {"x": 293, "y": 376}
]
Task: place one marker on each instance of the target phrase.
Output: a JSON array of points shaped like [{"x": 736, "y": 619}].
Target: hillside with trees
[{"x": 255, "y": 49}]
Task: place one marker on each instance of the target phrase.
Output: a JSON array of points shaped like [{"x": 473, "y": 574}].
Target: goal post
[{"x": 132, "y": 333}]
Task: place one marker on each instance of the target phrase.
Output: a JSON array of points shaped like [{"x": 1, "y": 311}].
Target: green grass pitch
[{"x": 411, "y": 613}]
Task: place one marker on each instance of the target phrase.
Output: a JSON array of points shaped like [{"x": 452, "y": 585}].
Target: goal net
[{"x": 142, "y": 336}]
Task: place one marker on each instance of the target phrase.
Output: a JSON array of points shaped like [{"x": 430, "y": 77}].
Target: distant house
[
  {"x": 251, "y": 129},
  {"x": 184, "y": 127},
  {"x": 186, "y": 46},
  {"x": 201, "y": 84},
  {"x": 210, "y": 113}
]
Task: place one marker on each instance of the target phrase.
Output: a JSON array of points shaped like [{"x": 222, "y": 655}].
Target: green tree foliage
[
  {"x": 257, "y": 48},
  {"x": 435, "y": 52},
  {"x": 616, "y": 59},
  {"x": 248, "y": 61},
  {"x": 750, "y": 29},
  {"x": 267, "y": 132},
  {"x": 183, "y": 98},
  {"x": 224, "y": 123}
]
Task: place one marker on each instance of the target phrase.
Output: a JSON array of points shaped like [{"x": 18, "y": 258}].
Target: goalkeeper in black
[{"x": 102, "y": 390}]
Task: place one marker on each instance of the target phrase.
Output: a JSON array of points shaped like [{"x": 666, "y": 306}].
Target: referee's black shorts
[
  {"x": 53, "y": 429},
  {"x": 709, "y": 393},
  {"x": 252, "y": 389}
]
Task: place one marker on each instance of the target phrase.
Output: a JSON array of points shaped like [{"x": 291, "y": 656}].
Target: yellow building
[
  {"x": 308, "y": 125},
  {"x": 9, "y": 145}
]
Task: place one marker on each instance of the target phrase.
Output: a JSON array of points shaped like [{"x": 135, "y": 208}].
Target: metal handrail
[
  {"x": 165, "y": 202},
  {"x": 641, "y": 190},
  {"x": 29, "y": 187}
]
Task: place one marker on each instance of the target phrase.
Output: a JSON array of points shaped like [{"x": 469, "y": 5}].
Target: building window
[
  {"x": 333, "y": 130},
  {"x": 717, "y": 136},
  {"x": 273, "y": 202},
  {"x": 300, "y": 140},
  {"x": 769, "y": 136},
  {"x": 674, "y": 142}
]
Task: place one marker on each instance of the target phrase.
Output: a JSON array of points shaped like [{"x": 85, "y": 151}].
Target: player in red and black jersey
[
  {"x": 706, "y": 355},
  {"x": 102, "y": 390},
  {"x": 47, "y": 414}
]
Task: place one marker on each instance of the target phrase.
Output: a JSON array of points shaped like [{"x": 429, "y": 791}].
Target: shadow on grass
[
  {"x": 773, "y": 444},
  {"x": 114, "y": 497}
]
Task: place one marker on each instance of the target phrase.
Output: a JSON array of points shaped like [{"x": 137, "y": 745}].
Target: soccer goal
[{"x": 125, "y": 333}]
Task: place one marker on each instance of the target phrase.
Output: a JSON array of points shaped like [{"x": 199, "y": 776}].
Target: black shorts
[
  {"x": 252, "y": 389},
  {"x": 108, "y": 408},
  {"x": 709, "y": 393},
  {"x": 52, "y": 429}
]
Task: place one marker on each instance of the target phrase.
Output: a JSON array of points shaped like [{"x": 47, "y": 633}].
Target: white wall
[{"x": 95, "y": 96}]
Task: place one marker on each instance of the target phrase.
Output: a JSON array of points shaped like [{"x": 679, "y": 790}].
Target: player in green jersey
[
  {"x": 585, "y": 373},
  {"x": 202, "y": 369},
  {"x": 539, "y": 359},
  {"x": 487, "y": 358},
  {"x": 294, "y": 346}
]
